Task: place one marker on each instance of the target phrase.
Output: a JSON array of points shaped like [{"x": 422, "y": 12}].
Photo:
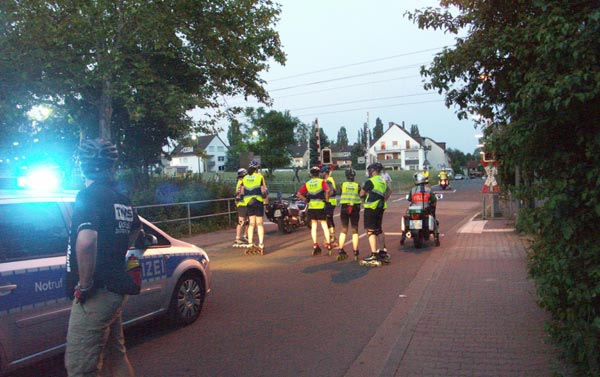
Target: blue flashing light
[{"x": 40, "y": 179}]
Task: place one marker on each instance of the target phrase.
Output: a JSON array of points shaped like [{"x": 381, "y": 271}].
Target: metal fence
[{"x": 193, "y": 211}]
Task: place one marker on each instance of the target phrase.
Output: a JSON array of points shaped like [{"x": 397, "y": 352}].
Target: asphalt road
[{"x": 288, "y": 313}]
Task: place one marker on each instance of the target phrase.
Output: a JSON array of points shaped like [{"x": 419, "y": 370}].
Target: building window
[
  {"x": 222, "y": 168},
  {"x": 221, "y": 158},
  {"x": 395, "y": 143},
  {"x": 383, "y": 145},
  {"x": 407, "y": 144},
  {"x": 184, "y": 160},
  {"x": 211, "y": 149},
  {"x": 221, "y": 149}
]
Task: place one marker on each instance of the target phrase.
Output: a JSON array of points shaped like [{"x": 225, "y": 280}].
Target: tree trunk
[{"x": 105, "y": 111}]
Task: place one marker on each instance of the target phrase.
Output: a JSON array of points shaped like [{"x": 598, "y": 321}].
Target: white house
[
  {"x": 396, "y": 149},
  {"x": 190, "y": 158}
]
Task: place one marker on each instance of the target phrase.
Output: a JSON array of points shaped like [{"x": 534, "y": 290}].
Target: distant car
[
  {"x": 34, "y": 310},
  {"x": 459, "y": 177}
]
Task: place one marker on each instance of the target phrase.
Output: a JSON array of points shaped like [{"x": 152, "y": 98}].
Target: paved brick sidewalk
[
  {"x": 481, "y": 318},
  {"x": 471, "y": 311}
]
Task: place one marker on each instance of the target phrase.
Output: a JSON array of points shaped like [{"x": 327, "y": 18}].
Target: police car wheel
[{"x": 187, "y": 300}]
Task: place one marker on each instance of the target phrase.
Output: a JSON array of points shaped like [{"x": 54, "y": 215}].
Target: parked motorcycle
[
  {"x": 419, "y": 225},
  {"x": 288, "y": 214},
  {"x": 444, "y": 183}
]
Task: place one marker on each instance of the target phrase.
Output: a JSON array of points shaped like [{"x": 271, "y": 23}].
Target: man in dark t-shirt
[{"x": 103, "y": 226}]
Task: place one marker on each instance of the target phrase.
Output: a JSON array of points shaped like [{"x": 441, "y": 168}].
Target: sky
[{"x": 353, "y": 61}]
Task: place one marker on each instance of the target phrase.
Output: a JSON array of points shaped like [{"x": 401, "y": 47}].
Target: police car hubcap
[{"x": 189, "y": 298}]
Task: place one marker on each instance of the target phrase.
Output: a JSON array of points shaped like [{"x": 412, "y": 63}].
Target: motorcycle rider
[
  {"x": 423, "y": 195},
  {"x": 443, "y": 176},
  {"x": 331, "y": 203},
  {"x": 376, "y": 193},
  {"x": 425, "y": 174},
  {"x": 254, "y": 191},
  {"x": 241, "y": 230},
  {"x": 349, "y": 213},
  {"x": 316, "y": 192}
]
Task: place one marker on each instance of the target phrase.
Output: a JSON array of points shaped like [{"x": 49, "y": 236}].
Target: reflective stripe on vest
[
  {"x": 252, "y": 185},
  {"x": 350, "y": 191},
  {"x": 377, "y": 194},
  {"x": 315, "y": 193}
]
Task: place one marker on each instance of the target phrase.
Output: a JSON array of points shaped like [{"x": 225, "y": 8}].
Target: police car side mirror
[
  {"x": 439, "y": 196},
  {"x": 150, "y": 240}
]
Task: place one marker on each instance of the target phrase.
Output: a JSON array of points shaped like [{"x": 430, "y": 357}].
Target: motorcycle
[
  {"x": 419, "y": 224},
  {"x": 288, "y": 214},
  {"x": 444, "y": 183}
]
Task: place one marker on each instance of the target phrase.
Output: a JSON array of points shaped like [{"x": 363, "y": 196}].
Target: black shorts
[
  {"x": 352, "y": 217},
  {"x": 329, "y": 209},
  {"x": 317, "y": 214},
  {"x": 373, "y": 218},
  {"x": 242, "y": 211},
  {"x": 256, "y": 209}
]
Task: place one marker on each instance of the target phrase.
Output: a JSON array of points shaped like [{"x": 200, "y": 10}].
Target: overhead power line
[
  {"x": 366, "y": 108},
  {"x": 349, "y": 86},
  {"x": 364, "y": 100},
  {"x": 348, "y": 77},
  {"x": 358, "y": 63}
]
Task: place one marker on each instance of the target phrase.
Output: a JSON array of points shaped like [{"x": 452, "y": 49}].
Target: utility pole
[
  {"x": 367, "y": 143},
  {"x": 318, "y": 142}
]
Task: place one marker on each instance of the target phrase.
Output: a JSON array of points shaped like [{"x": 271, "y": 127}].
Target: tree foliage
[
  {"x": 378, "y": 129},
  {"x": 530, "y": 69},
  {"x": 270, "y": 134},
  {"x": 342, "y": 137},
  {"x": 414, "y": 130},
  {"x": 130, "y": 71}
]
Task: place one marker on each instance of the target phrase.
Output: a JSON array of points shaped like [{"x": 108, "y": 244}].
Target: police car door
[
  {"x": 34, "y": 311},
  {"x": 154, "y": 278}
]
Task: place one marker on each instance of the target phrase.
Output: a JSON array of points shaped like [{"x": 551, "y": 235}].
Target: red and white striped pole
[{"x": 318, "y": 142}]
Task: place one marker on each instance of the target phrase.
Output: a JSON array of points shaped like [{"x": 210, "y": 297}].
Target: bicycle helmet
[
  {"x": 350, "y": 173},
  {"x": 97, "y": 157},
  {"x": 325, "y": 169},
  {"x": 419, "y": 179},
  {"x": 314, "y": 171},
  {"x": 254, "y": 164},
  {"x": 241, "y": 172}
]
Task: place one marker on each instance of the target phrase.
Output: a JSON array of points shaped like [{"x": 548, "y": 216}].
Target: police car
[{"x": 34, "y": 311}]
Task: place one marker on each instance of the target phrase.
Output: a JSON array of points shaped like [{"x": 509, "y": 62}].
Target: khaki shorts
[{"x": 96, "y": 332}]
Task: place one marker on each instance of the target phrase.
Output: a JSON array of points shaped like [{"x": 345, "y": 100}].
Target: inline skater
[
  {"x": 376, "y": 193},
  {"x": 254, "y": 191},
  {"x": 331, "y": 203},
  {"x": 349, "y": 213},
  {"x": 241, "y": 229},
  {"x": 316, "y": 192}
]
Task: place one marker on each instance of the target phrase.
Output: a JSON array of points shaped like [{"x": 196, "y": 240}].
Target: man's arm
[
  {"x": 86, "y": 248},
  {"x": 327, "y": 189}
]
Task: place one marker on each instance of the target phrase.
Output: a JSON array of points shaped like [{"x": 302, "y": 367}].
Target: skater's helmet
[
  {"x": 350, "y": 173},
  {"x": 97, "y": 158},
  {"x": 242, "y": 172},
  {"x": 375, "y": 166},
  {"x": 314, "y": 171},
  {"x": 419, "y": 179}
]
